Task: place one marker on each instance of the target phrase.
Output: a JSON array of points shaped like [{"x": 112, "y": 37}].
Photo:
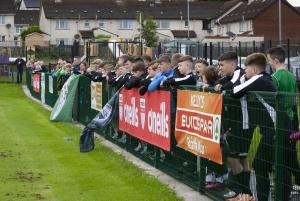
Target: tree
[{"x": 149, "y": 27}]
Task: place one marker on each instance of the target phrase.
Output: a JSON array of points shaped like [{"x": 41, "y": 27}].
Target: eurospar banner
[
  {"x": 146, "y": 117},
  {"x": 198, "y": 123}
]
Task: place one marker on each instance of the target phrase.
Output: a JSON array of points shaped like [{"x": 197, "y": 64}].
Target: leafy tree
[
  {"x": 148, "y": 31},
  {"x": 29, "y": 30}
]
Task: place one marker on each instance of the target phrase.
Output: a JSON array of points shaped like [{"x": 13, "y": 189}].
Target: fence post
[
  {"x": 49, "y": 50},
  {"x": 87, "y": 51},
  {"x": 210, "y": 53},
  {"x": 240, "y": 53},
  {"x": 254, "y": 48},
  {"x": 205, "y": 51},
  {"x": 279, "y": 149},
  {"x": 141, "y": 48},
  {"x": 26, "y": 53},
  {"x": 180, "y": 48},
  {"x": 159, "y": 49},
  {"x": 219, "y": 49},
  {"x": 198, "y": 49},
  {"x": 177, "y": 47},
  {"x": 288, "y": 54},
  {"x": 270, "y": 43}
]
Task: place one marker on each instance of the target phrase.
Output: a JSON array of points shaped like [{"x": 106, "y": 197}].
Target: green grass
[{"x": 37, "y": 163}]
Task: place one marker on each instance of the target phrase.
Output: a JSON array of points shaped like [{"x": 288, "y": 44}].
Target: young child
[{"x": 210, "y": 76}]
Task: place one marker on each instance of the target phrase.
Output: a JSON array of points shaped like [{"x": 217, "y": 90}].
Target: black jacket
[
  {"x": 228, "y": 82},
  {"x": 260, "y": 82},
  {"x": 189, "y": 79}
]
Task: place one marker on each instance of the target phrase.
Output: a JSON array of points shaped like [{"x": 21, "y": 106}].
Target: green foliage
[
  {"x": 149, "y": 27},
  {"x": 29, "y": 30},
  {"x": 101, "y": 38},
  {"x": 37, "y": 163},
  {"x": 54, "y": 53},
  {"x": 149, "y": 32}
]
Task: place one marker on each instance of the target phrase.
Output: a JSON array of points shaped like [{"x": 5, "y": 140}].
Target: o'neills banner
[
  {"x": 36, "y": 82},
  {"x": 198, "y": 123},
  {"x": 146, "y": 117}
]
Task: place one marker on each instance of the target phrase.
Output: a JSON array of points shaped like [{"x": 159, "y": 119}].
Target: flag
[
  {"x": 62, "y": 110},
  {"x": 104, "y": 117}
]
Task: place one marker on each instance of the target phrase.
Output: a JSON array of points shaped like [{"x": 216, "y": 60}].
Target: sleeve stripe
[
  {"x": 181, "y": 79},
  {"x": 245, "y": 84},
  {"x": 236, "y": 76}
]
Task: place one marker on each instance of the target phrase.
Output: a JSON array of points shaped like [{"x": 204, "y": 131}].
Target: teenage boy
[
  {"x": 228, "y": 63},
  {"x": 285, "y": 82},
  {"x": 166, "y": 72},
  {"x": 263, "y": 114},
  {"x": 185, "y": 67},
  {"x": 138, "y": 73}
]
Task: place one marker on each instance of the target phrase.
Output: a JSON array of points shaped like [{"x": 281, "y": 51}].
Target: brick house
[{"x": 258, "y": 20}]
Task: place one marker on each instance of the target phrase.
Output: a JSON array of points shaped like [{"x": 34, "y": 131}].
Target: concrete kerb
[{"x": 181, "y": 189}]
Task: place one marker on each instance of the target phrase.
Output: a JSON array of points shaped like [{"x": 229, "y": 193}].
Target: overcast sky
[{"x": 295, "y": 3}]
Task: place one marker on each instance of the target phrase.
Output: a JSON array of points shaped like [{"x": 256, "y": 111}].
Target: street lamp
[
  {"x": 279, "y": 22},
  {"x": 188, "y": 13}
]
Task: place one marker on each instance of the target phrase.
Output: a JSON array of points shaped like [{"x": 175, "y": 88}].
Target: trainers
[
  {"x": 122, "y": 139},
  {"x": 242, "y": 197},
  {"x": 222, "y": 178},
  {"x": 138, "y": 147},
  {"x": 210, "y": 178},
  {"x": 230, "y": 194}
]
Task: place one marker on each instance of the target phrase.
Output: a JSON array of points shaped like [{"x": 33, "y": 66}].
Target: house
[
  {"x": 29, "y": 5},
  {"x": 256, "y": 20},
  {"x": 23, "y": 19},
  {"x": 65, "y": 19},
  {"x": 7, "y": 13}
]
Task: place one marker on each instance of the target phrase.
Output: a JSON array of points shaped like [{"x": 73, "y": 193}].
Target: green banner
[{"x": 62, "y": 110}]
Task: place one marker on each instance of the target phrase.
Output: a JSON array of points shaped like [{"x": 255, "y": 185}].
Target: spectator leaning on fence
[
  {"x": 166, "y": 72},
  {"x": 286, "y": 82},
  {"x": 152, "y": 70},
  {"x": 147, "y": 60},
  {"x": 261, "y": 113},
  {"x": 185, "y": 67},
  {"x": 76, "y": 65},
  {"x": 138, "y": 73},
  {"x": 229, "y": 70},
  {"x": 174, "y": 63},
  {"x": 200, "y": 66}
]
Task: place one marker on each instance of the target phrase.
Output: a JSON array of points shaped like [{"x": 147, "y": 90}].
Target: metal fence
[{"x": 273, "y": 156}]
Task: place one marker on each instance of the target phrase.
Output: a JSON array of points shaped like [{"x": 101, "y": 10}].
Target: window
[
  {"x": 86, "y": 24},
  {"x": 62, "y": 41},
  {"x": 228, "y": 28},
  {"x": 220, "y": 30},
  {"x": 186, "y": 23},
  {"x": 62, "y": 24},
  {"x": 126, "y": 24},
  {"x": 19, "y": 29},
  {"x": 2, "y": 38},
  {"x": 206, "y": 25},
  {"x": 2, "y": 19},
  {"x": 163, "y": 24},
  {"x": 243, "y": 26},
  {"x": 101, "y": 24}
]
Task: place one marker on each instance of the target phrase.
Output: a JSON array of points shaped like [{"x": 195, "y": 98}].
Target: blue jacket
[{"x": 160, "y": 77}]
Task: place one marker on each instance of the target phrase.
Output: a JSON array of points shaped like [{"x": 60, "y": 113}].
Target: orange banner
[{"x": 198, "y": 123}]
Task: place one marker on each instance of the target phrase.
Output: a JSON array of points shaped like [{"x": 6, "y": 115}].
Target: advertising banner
[
  {"x": 50, "y": 84},
  {"x": 198, "y": 123},
  {"x": 96, "y": 95},
  {"x": 43, "y": 87},
  {"x": 146, "y": 117},
  {"x": 36, "y": 82}
]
